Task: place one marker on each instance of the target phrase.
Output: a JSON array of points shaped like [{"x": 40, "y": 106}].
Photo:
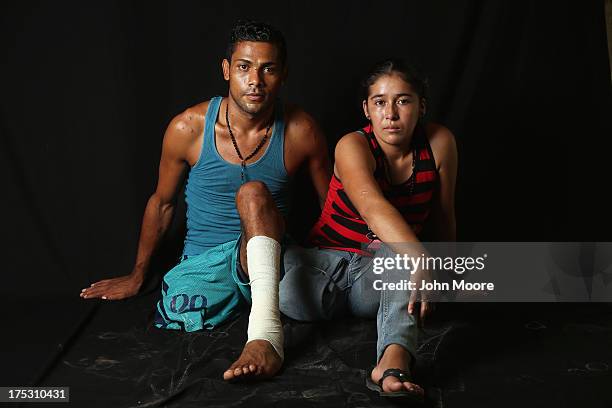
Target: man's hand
[{"x": 113, "y": 289}]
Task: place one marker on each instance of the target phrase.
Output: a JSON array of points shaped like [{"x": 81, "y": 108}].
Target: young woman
[{"x": 391, "y": 179}]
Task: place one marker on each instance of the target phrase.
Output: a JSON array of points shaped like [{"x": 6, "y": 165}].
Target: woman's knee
[
  {"x": 364, "y": 301},
  {"x": 307, "y": 293}
]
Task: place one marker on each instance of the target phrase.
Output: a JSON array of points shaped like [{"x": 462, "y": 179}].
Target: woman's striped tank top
[{"x": 341, "y": 227}]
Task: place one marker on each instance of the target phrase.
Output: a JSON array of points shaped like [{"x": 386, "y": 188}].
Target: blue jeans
[{"x": 324, "y": 284}]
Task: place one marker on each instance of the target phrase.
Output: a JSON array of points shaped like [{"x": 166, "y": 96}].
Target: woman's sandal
[{"x": 403, "y": 376}]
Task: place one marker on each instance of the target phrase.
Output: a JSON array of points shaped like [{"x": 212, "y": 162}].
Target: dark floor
[{"x": 471, "y": 355}]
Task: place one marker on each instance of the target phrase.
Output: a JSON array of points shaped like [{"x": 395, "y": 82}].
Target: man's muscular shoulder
[
  {"x": 188, "y": 124},
  {"x": 301, "y": 130},
  {"x": 183, "y": 135},
  {"x": 303, "y": 138},
  {"x": 300, "y": 126}
]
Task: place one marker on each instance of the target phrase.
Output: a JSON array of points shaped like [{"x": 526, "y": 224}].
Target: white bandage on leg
[{"x": 263, "y": 259}]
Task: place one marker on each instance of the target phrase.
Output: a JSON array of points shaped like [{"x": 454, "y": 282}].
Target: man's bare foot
[
  {"x": 395, "y": 356},
  {"x": 258, "y": 360}
]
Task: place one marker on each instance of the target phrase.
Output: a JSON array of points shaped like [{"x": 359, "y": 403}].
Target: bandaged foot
[{"x": 263, "y": 354}]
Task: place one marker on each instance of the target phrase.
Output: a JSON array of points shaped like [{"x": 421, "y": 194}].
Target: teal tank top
[{"x": 210, "y": 193}]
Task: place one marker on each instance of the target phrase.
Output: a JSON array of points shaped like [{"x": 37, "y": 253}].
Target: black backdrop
[{"x": 89, "y": 87}]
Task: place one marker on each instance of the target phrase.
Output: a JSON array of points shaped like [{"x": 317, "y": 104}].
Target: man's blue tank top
[{"x": 210, "y": 193}]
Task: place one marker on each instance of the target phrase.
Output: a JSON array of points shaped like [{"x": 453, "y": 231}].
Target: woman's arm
[
  {"x": 355, "y": 168},
  {"x": 442, "y": 219}
]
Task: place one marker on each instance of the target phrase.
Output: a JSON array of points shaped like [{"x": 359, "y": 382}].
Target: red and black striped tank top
[{"x": 341, "y": 227}]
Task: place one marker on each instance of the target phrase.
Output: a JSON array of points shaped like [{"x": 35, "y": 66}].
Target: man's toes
[
  {"x": 228, "y": 375},
  {"x": 252, "y": 368},
  {"x": 237, "y": 371},
  {"x": 245, "y": 370}
]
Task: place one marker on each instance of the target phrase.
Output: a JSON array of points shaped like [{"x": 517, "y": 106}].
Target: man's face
[
  {"x": 394, "y": 109},
  {"x": 255, "y": 75}
]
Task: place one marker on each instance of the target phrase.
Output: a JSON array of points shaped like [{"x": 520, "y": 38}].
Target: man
[{"x": 240, "y": 152}]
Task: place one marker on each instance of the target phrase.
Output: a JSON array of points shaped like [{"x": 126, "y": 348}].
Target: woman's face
[{"x": 394, "y": 109}]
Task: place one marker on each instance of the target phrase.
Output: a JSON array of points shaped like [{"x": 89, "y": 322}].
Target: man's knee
[{"x": 252, "y": 192}]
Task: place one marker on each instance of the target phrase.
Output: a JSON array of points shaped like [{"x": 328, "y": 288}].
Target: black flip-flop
[{"x": 403, "y": 376}]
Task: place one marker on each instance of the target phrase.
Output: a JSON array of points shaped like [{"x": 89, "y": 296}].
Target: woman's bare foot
[
  {"x": 258, "y": 360},
  {"x": 395, "y": 356}
]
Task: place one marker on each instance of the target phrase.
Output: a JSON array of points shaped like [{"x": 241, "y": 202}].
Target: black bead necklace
[{"x": 254, "y": 152}]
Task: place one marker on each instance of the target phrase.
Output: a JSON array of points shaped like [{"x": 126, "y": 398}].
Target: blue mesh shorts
[{"x": 203, "y": 291}]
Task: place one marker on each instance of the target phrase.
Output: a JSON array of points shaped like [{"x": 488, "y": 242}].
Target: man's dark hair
[
  {"x": 250, "y": 30},
  {"x": 390, "y": 66}
]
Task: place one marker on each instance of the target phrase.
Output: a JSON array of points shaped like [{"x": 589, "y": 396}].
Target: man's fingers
[
  {"x": 114, "y": 296},
  {"x": 94, "y": 292},
  {"x": 101, "y": 294},
  {"x": 102, "y": 282},
  {"x": 108, "y": 289},
  {"x": 93, "y": 295},
  {"x": 97, "y": 288}
]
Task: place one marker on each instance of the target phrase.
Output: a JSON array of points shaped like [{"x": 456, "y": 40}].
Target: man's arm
[
  {"x": 308, "y": 148},
  {"x": 319, "y": 167},
  {"x": 178, "y": 138}
]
